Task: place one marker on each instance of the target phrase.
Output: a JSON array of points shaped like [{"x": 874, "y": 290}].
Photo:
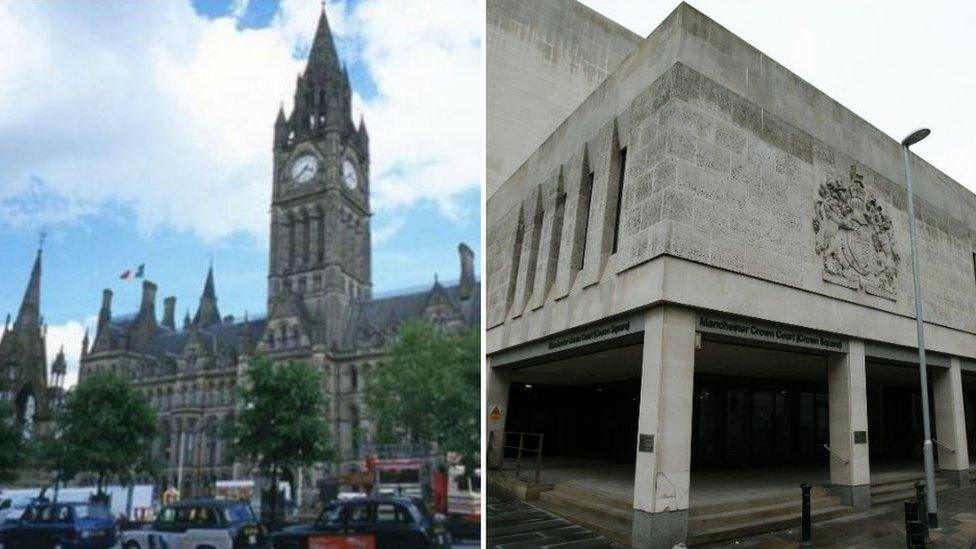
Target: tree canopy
[
  {"x": 428, "y": 389},
  {"x": 282, "y": 424},
  {"x": 106, "y": 427},
  {"x": 13, "y": 447}
]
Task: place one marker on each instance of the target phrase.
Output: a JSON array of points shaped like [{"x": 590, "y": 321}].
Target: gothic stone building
[
  {"x": 701, "y": 277},
  {"x": 24, "y": 377},
  {"x": 320, "y": 304}
]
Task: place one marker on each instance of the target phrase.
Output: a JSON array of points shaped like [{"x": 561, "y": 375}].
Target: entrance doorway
[{"x": 759, "y": 421}]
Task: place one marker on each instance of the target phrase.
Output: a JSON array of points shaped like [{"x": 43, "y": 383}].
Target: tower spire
[
  {"x": 323, "y": 50},
  {"x": 29, "y": 314}
]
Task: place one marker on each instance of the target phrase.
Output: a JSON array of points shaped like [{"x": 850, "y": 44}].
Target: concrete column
[
  {"x": 499, "y": 383},
  {"x": 662, "y": 473},
  {"x": 950, "y": 422},
  {"x": 848, "y": 415}
]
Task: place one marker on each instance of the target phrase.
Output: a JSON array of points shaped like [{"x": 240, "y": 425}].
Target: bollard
[
  {"x": 914, "y": 539},
  {"x": 923, "y": 515},
  {"x": 805, "y": 517}
]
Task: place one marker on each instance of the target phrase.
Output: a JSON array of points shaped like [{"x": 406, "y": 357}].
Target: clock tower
[{"x": 320, "y": 218}]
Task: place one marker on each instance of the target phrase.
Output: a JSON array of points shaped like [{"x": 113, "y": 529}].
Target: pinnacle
[{"x": 323, "y": 47}]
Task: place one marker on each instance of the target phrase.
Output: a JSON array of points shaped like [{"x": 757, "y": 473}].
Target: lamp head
[{"x": 915, "y": 137}]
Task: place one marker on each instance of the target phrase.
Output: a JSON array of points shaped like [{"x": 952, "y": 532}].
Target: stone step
[
  {"x": 598, "y": 497},
  {"x": 769, "y": 524},
  {"x": 590, "y": 520},
  {"x": 907, "y": 485},
  {"x": 888, "y": 497},
  {"x": 784, "y": 496},
  {"x": 586, "y": 505},
  {"x": 749, "y": 512}
]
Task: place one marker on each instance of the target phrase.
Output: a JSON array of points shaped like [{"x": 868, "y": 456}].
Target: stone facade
[
  {"x": 24, "y": 375},
  {"x": 320, "y": 304},
  {"x": 561, "y": 46}
]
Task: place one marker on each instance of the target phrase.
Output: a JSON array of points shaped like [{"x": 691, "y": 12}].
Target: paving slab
[{"x": 515, "y": 524}]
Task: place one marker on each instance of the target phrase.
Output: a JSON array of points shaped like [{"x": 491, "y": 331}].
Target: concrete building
[
  {"x": 700, "y": 294},
  {"x": 559, "y": 46}
]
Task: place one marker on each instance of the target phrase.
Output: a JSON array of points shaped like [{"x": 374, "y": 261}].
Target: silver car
[{"x": 200, "y": 524}]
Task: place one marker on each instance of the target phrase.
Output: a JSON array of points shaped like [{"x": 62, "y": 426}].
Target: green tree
[
  {"x": 428, "y": 390},
  {"x": 106, "y": 427},
  {"x": 282, "y": 424},
  {"x": 14, "y": 450}
]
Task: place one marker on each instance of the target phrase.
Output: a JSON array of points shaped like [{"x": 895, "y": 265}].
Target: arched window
[
  {"x": 306, "y": 237},
  {"x": 291, "y": 240},
  {"x": 320, "y": 237}
]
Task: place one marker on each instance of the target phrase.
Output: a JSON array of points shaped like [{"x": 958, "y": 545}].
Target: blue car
[{"x": 60, "y": 526}]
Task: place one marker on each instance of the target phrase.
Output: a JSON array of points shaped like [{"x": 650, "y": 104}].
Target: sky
[
  {"x": 141, "y": 132},
  {"x": 899, "y": 65}
]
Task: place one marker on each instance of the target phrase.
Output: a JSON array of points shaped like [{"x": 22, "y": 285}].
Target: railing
[
  {"x": 835, "y": 454},
  {"x": 943, "y": 446},
  {"x": 520, "y": 449}
]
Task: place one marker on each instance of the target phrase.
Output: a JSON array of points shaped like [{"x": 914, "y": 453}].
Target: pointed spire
[
  {"x": 208, "y": 286},
  {"x": 60, "y": 366},
  {"x": 84, "y": 344},
  {"x": 186, "y": 320},
  {"x": 362, "y": 124},
  {"x": 30, "y": 308},
  {"x": 280, "y": 121},
  {"x": 323, "y": 50},
  {"x": 207, "y": 312}
]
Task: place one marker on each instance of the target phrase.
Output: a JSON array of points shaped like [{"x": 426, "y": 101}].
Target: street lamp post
[{"x": 933, "y": 516}]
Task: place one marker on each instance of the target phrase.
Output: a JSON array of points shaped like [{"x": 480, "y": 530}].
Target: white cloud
[
  {"x": 68, "y": 336},
  {"x": 151, "y": 107}
]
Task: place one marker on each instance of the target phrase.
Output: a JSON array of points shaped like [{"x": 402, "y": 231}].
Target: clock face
[
  {"x": 304, "y": 168},
  {"x": 349, "y": 174}
]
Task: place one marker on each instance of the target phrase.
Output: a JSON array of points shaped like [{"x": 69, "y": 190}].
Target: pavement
[
  {"x": 881, "y": 527},
  {"x": 515, "y": 524}
]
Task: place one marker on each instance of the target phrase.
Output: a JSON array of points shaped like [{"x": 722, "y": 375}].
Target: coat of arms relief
[{"x": 854, "y": 238}]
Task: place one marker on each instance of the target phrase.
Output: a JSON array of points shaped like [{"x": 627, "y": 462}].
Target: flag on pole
[{"x": 138, "y": 272}]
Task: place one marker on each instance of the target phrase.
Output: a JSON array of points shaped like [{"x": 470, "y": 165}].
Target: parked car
[
  {"x": 60, "y": 526},
  {"x": 384, "y": 522},
  {"x": 200, "y": 523}
]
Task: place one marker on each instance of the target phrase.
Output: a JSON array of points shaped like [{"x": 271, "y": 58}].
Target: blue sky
[{"x": 141, "y": 132}]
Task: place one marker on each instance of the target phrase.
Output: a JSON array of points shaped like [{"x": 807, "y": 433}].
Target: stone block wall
[{"x": 728, "y": 170}]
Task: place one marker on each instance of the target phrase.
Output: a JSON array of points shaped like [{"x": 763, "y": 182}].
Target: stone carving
[{"x": 854, "y": 238}]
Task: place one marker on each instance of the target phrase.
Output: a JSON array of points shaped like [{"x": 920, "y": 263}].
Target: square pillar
[
  {"x": 662, "y": 473},
  {"x": 499, "y": 384},
  {"x": 850, "y": 479},
  {"x": 950, "y": 423}
]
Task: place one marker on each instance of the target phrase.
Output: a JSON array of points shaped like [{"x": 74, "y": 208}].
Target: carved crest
[{"x": 854, "y": 238}]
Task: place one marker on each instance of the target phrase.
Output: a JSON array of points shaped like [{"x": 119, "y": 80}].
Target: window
[
  {"x": 583, "y": 215},
  {"x": 516, "y": 258},
  {"x": 239, "y": 513},
  {"x": 358, "y": 514},
  {"x": 622, "y": 166},
  {"x": 391, "y": 513},
  {"x": 331, "y": 515}
]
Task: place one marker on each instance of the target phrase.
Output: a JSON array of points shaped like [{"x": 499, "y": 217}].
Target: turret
[
  {"x": 467, "y": 271},
  {"x": 84, "y": 344},
  {"x": 281, "y": 128},
  {"x": 58, "y": 369},
  {"x": 104, "y": 313},
  {"x": 207, "y": 312},
  {"x": 144, "y": 327},
  {"x": 169, "y": 312}
]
